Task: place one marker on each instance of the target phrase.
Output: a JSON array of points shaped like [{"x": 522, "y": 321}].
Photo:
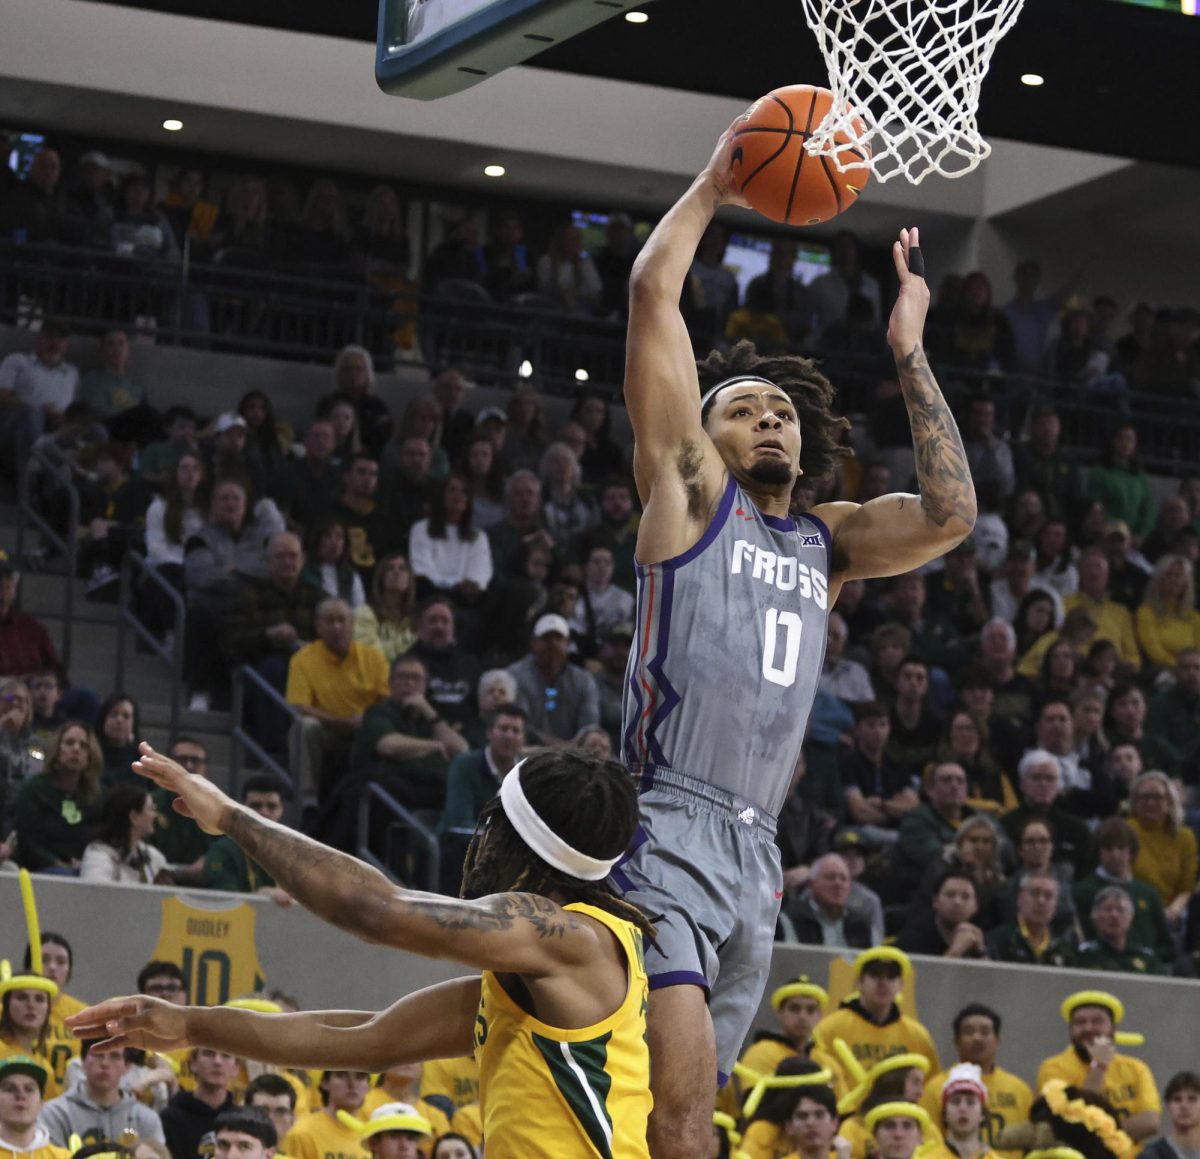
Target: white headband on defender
[
  {"x": 730, "y": 381},
  {"x": 547, "y": 844}
]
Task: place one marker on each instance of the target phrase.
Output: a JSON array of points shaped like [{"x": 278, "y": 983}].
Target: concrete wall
[{"x": 114, "y": 930}]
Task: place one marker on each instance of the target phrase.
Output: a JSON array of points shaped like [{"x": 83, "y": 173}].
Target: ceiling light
[
  {"x": 1032, "y": 79},
  {"x": 494, "y": 170},
  {"x": 525, "y": 370},
  {"x": 581, "y": 375},
  {"x": 637, "y": 17},
  {"x": 172, "y": 124}
]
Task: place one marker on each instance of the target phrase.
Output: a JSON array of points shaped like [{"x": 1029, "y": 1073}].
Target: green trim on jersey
[{"x": 578, "y": 1070}]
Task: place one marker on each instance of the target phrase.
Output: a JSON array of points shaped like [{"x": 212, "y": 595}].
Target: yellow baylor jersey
[
  {"x": 48, "y": 1151},
  {"x": 548, "y": 1092},
  {"x": 450, "y": 1082},
  {"x": 871, "y": 1043},
  {"x": 1128, "y": 1083},
  {"x": 320, "y": 1136},
  {"x": 213, "y": 947}
]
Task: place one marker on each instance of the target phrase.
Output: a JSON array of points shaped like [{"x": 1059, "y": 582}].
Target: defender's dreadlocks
[
  {"x": 811, "y": 393},
  {"x": 590, "y": 803}
]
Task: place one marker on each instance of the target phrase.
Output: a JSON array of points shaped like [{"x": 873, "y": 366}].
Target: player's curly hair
[
  {"x": 811, "y": 393},
  {"x": 590, "y": 803}
]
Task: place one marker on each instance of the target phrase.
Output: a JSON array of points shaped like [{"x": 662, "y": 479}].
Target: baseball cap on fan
[
  {"x": 552, "y": 622},
  {"x": 227, "y": 422}
]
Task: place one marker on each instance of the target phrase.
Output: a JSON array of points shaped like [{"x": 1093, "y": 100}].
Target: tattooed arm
[
  {"x": 519, "y": 933},
  {"x": 896, "y": 533},
  {"x": 436, "y": 1022}
]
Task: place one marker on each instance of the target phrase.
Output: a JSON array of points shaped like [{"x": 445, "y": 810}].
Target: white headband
[
  {"x": 730, "y": 381},
  {"x": 547, "y": 844}
]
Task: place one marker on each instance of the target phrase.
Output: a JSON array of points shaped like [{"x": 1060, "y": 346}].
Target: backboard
[{"x": 431, "y": 48}]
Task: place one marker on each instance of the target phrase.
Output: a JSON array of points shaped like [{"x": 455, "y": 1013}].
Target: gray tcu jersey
[{"x": 730, "y": 642}]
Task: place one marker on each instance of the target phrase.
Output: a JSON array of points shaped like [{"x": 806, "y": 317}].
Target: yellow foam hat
[
  {"x": 389, "y": 1117},
  {"x": 728, "y": 1124},
  {"x": 866, "y": 1079},
  {"x": 800, "y": 988},
  {"x": 898, "y": 1110},
  {"x": 885, "y": 954},
  {"x": 1054, "y": 1153},
  {"x": 1107, "y": 1001},
  {"x": 777, "y": 1082},
  {"x": 10, "y": 982}
]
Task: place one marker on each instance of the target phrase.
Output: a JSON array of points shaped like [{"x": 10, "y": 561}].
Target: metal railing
[
  {"x": 134, "y": 565},
  {"x": 42, "y": 460},
  {"x": 400, "y": 820},
  {"x": 221, "y": 306},
  {"x": 242, "y": 742}
]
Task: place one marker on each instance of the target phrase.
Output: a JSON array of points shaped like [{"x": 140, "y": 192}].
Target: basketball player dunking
[{"x": 733, "y": 594}]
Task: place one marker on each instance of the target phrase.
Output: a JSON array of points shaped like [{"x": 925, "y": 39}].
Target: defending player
[
  {"x": 733, "y": 594},
  {"x": 557, "y": 1021}
]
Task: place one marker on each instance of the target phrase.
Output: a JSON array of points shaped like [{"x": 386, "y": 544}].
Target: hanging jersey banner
[{"x": 214, "y": 948}]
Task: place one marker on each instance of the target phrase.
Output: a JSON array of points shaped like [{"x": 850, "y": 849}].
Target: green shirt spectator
[
  {"x": 403, "y": 742},
  {"x": 179, "y": 839},
  {"x": 474, "y": 777},
  {"x": 1174, "y": 714},
  {"x": 55, "y": 812},
  {"x": 226, "y": 867},
  {"x": 1111, "y": 948}
]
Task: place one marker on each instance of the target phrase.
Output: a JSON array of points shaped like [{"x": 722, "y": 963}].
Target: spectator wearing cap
[
  {"x": 842, "y": 677},
  {"x": 354, "y": 378},
  {"x": 1017, "y": 580},
  {"x": 453, "y": 671},
  {"x": 22, "y": 1086},
  {"x": 98, "y": 1110},
  {"x": 871, "y": 1023},
  {"x": 228, "y": 453},
  {"x": 821, "y": 914},
  {"x": 558, "y": 698},
  {"x": 523, "y": 525},
  {"x": 397, "y": 1131},
  {"x": 35, "y": 390},
  {"x": 331, "y": 683},
  {"x": 964, "y": 1112},
  {"x": 474, "y": 777}
]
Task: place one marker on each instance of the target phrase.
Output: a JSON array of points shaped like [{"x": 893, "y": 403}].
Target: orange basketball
[{"x": 772, "y": 170}]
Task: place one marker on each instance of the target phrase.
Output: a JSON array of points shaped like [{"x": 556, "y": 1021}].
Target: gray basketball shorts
[{"x": 704, "y": 867}]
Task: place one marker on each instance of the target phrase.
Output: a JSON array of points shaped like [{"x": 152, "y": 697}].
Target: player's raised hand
[
  {"x": 195, "y": 797},
  {"x": 907, "y": 322},
  {"x": 722, "y": 166},
  {"x": 145, "y": 1023}
]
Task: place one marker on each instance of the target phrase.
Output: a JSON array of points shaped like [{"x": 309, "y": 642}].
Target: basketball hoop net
[{"x": 911, "y": 70}]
